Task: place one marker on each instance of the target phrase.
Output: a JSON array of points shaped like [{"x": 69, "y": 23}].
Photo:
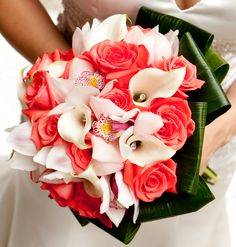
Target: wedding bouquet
[{"x": 110, "y": 129}]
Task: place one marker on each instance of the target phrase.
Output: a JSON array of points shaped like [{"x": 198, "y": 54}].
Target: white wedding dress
[{"x": 29, "y": 219}]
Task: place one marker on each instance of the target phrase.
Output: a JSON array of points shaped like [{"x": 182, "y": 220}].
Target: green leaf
[
  {"x": 211, "y": 92},
  {"x": 82, "y": 220},
  {"x": 148, "y": 18},
  {"x": 126, "y": 230},
  {"x": 171, "y": 205},
  {"x": 189, "y": 157}
]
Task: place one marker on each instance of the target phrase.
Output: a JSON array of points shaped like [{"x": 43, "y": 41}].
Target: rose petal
[
  {"x": 155, "y": 83},
  {"x": 147, "y": 123},
  {"x": 20, "y": 139},
  {"x": 73, "y": 125}
]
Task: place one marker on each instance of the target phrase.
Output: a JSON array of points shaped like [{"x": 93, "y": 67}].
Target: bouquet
[{"x": 110, "y": 128}]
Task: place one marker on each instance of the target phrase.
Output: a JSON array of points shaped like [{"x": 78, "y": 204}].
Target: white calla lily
[
  {"x": 73, "y": 125},
  {"x": 152, "y": 83},
  {"x": 106, "y": 168},
  {"x": 92, "y": 183},
  {"x": 20, "y": 139},
  {"x": 41, "y": 156}
]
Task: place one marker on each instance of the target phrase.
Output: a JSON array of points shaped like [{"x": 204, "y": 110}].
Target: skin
[{"x": 26, "y": 25}]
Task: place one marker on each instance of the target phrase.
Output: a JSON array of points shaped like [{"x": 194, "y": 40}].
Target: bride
[{"x": 30, "y": 219}]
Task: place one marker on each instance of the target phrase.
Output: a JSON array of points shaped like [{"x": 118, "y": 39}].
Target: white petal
[
  {"x": 105, "y": 186},
  {"x": 147, "y": 123},
  {"x": 125, "y": 149},
  {"x": 106, "y": 168},
  {"x": 134, "y": 36},
  {"x": 106, "y": 152},
  {"x": 56, "y": 69},
  {"x": 41, "y": 156},
  {"x": 124, "y": 195},
  {"x": 20, "y": 139},
  {"x": 136, "y": 207},
  {"x": 150, "y": 150},
  {"x": 172, "y": 36},
  {"x": 156, "y": 83},
  {"x": 22, "y": 162},
  {"x": 157, "y": 45},
  {"x": 108, "y": 87},
  {"x": 93, "y": 184},
  {"x": 81, "y": 95},
  {"x": 104, "y": 106},
  {"x": 78, "y": 44},
  {"x": 58, "y": 160},
  {"x": 60, "y": 88},
  {"x": 113, "y": 28},
  {"x": 53, "y": 177},
  {"x": 59, "y": 109},
  {"x": 126, "y": 116},
  {"x": 73, "y": 125},
  {"x": 78, "y": 66},
  {"x": 116, "y": 215}
]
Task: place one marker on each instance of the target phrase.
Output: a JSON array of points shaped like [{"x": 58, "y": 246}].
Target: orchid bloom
[
  {"x": 157, "y": 44},
  {"x": 115, "y": 206},
  {"x": 139, "y": 146},
  {"x": 113, "y": 28}
]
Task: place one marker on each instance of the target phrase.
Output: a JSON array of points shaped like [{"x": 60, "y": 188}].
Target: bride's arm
[
  {"x": 27, "y": 26},
  {"x": 221, "y": 130}
]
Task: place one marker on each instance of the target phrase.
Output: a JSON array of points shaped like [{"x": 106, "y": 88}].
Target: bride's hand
[{"x": 220, "y": 131}]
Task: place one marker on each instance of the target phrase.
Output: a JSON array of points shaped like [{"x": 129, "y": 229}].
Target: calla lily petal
[
  {"x": 59, "y": 109},
  {"x": 104, "y": 107},
  {"x": 20, "y": 139},
  {"x": 125, "y": 149},
  {"x": 116, "y": 215},
  {"x": 23, "y": 162},
  {"x": 106, "y": 152},
  {"x": 136, "y": 207},
  {"x": 92, "y": 183},
  {"x": 147, "y": 123},
  {"x": 113, "y": 28},
  {"x": 58, "y": 160},
  {"x": 106, "y": 168},
  {"x": 124, "y": 195},
  {"x": 57, "y": 68},
  {"x": 41, "y": 156},
  {"x": 155, "y": 83},
  {"x": 73, "y": 125},
  {"x": 78, "y": 66},
  {"x": 149, "y": 149}
]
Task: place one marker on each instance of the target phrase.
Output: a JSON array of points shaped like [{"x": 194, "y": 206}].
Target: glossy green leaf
[
  {"x": 170, "y": 205},
  {"x": 189, "y": 157},
  {"x": 211, "y": 92}
]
